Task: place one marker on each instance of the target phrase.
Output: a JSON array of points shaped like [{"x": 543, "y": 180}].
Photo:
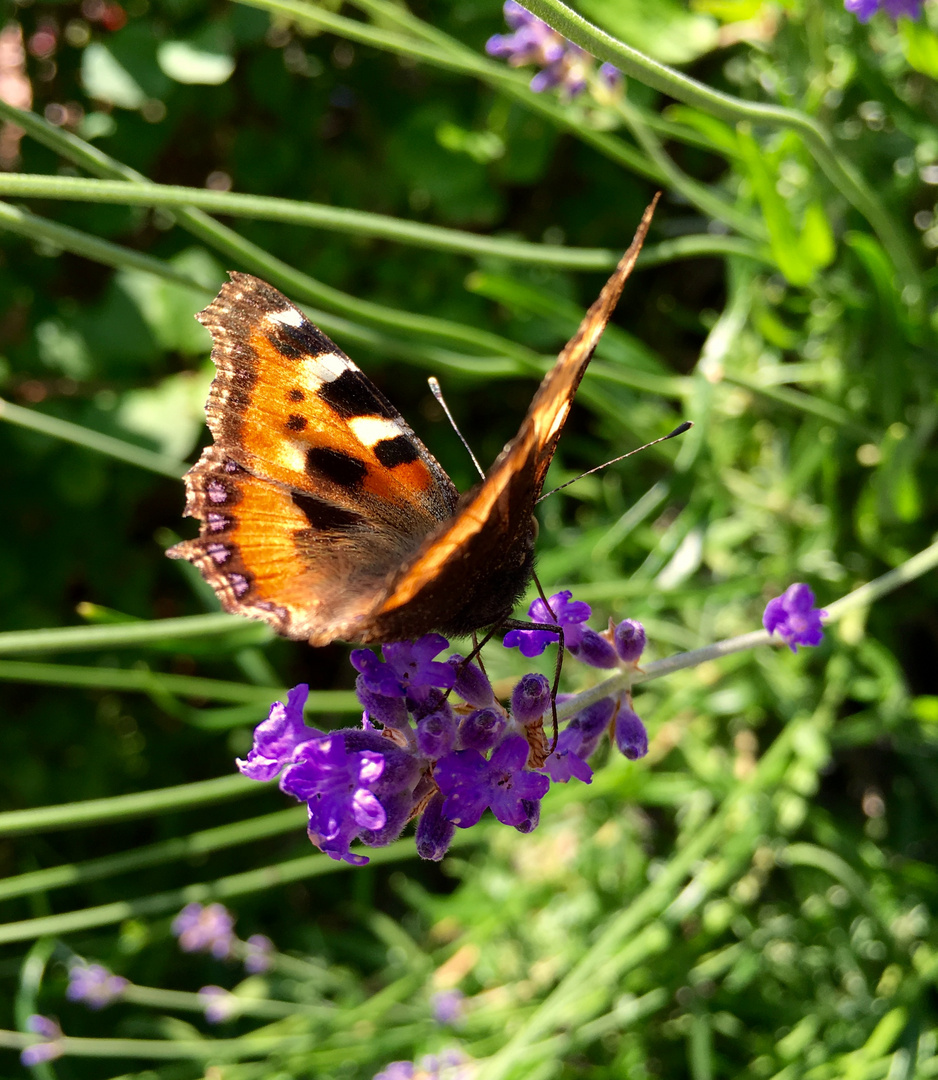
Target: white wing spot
[
  {"x": 323, "y": 368},
  {"x": 370, "y": 430},
  {"x": 287, "y": 317}
]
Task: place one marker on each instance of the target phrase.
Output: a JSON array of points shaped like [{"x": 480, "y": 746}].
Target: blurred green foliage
[{"x": 757, "y": 898}]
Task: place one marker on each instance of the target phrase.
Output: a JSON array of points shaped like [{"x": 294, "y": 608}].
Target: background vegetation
[{"x": 757, "y": 897}]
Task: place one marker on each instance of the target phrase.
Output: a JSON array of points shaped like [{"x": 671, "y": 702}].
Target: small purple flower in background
[
  {"x": 258, "y": 953},
  {"x": 219, "y": 1004},
  {"x": 397, "y": 1070},
  {"x": 94, "y": 985},
  {"x": 896, "y": 9},
  {"x": 794, "y": 617},
  {"x": 562, "y": 63},
  {"x": 207, "y": 928},
  {"x": 611, "y": 76},
  {"x": 51, "y": 1046},
  {"x": 448, "y": 1007}
]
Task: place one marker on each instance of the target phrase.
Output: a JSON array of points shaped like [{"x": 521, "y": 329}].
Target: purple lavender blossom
[
  {"x": 471, "y": 684},
  {"x": 278, "y": 736},
  {"x": 470, "y": 784},
  {"x": 337, "y": 787},
  {"x": 630, "y": 734},
  {"x": 534, "y": 42},
  {"x": 436, "y": 734},
  {"x": 896, "y": 9},
  {"x": 565, "y": 763},
  {"x": 563, "y": 611},
  {"x": 420, "y": 754},
  {"x": 794, "y": 616},
  {"x": 408, "y": 667},
  {"x": 448, "y": 1007},
  {"x": 388, "y": 711},
  {"x": 208, "y": 928},
  {"x": 94, "y": 985},
  {"x": 258, "y": 953},
  {"x": 51, "y": 1046},
  {"x": 595, "y": 650}
]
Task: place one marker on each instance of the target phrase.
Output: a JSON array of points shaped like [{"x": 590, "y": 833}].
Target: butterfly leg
[{"x": 554, "y": 628}]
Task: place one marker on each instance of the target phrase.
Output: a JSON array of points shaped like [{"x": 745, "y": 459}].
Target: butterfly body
[{"x": 321, "y": 511}]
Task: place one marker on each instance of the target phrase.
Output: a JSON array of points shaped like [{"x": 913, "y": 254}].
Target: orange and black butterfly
[{"x": 321, "y": 511}]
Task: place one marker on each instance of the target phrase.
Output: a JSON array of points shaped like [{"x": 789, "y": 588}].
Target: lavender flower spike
[
  {"x": 94, "y": 985},
  {"x": 51, "y": 1046},
  {"x": 794, "y": 616},
  {"x": 205, "y": 929}
]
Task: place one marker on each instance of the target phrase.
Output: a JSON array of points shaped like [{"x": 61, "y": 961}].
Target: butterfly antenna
[
  {"x": 679, "y": 430},
  {"x": 438, "y": 394}
]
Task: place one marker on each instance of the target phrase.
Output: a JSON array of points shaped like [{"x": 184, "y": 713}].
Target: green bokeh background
[{"x": 757, "y": 897}]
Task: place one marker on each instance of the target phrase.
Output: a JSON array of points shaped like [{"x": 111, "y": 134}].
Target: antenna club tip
[{"x": 680, "y": 429}]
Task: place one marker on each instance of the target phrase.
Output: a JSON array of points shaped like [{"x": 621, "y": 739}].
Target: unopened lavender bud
[
  {"x": 530, "y": 699},
  {"x": 630, "y": 639},
  {"x": 631, "y": 736},
  {"x": 436, "y": 735},
  {"x": 472, "y": 685},
  {"x": 434, "y": 832},
  {"x": 481, "y": 729},
  {"x": 595, "y": 650},
  {"x": 388, "y": 711}
]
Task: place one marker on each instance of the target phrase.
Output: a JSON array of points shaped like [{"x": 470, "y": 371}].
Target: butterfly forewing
[
  {"x": 488, "y": 546},
  {"x": 315, "y": 489}
]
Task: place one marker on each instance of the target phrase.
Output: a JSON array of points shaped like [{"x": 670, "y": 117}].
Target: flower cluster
[
  {"x": 421, "y": 754},
  {"x": 897, "y": 9},
  {"x": 94, "y": 985},
  {"x": 210, "y": 928},
  {"x": 562, "y": 63}
]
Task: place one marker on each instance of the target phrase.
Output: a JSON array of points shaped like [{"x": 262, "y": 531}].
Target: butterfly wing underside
[
  {"x": 474, "y": 567},
  {"x": 315, "y": 489}
]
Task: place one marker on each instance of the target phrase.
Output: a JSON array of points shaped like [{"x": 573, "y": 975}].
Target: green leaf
[
  {"x": 106, "y": 79},
  {"x": 663, "y": 29},
  {"x": 817, "y": 239},
  {"x": 195, "y": 64},
  {"x": 920, "y": 46}
]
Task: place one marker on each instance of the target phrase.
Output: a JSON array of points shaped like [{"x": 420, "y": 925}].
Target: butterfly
[{"x": 321, "y": 511}]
